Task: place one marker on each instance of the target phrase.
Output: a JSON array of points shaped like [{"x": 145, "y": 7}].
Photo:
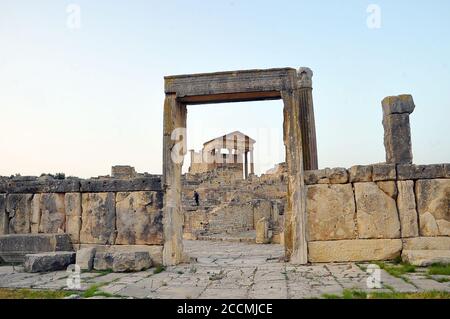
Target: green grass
[
  {"x": 357, "y": 294},
  {"x": 396, "y": 269},
  {"x": 159, "y": 269},
  {"x": 439, "y": 269},
  {"x": 94, "y": 291},
  {"x": 33, "y": 294}
]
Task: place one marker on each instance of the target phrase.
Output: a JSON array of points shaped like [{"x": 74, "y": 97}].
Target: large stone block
[
  {"x": 139, "y": 218},
  {"x": 155, "y": 251},
  {"x": 262, "y": 231},
  {"x": 376, "y": 212},
  {"x": 52, "y": 213},
  {"x": 18, "y": 207},
  {"x": 4, "y": 218},
  {"x": 34, "y": 185},
  {"x": 98, "y": 218},
  {"x": 424, "y": 258},
  {"x": 338, "y": 175},
  {"x": 398, "y": 104},
  {"x": 13, "y": 248},
  {"x": 72, "y": 202},
  {"x": 331, "y": 212},
  {"x": 397, "y": 139},
  {"x": 85, "y": 258},
  {"x": 406, "y": 204},
  {"x": 354, "y": 250},
  {"x": 427, "y": 243},
  {"x": 360, "y": 173},
  {"x": 123, "y": 261},
  {"x": 49, "y": 261},
  {"x": 413, "y": 172},
  {"x": 384, "y": 172},
  {"x": 120, "y": 185},
  {"x": 433, "y": 205}
]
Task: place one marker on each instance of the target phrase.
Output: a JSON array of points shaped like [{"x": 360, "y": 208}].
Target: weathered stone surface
[
  {"x": 360, "y": 173},
  {"x": 384, "y": 172},
  {"x": 331, "y": 212},
  {"x": 406, "y": 204},
  {"x": 123, "y": 261},
  {"x": 262, "y": 231},
  {"x": 35, "y": 218},
  {"x": 43, "y": 186},
  {"x": 427, "y": 243},
  {"x": 13, "y": 248},
  {"x": 72, "y": 203},
  {"x": 52, "y": 213},
  {"x": 18, "y": 206},
  {"x": 389, "y": 188},
  {"x": 85, "y": 258},
  {"x": 139, "y": 218},
  {"x": 338, "y": 175},
  {"x": 398, "y": 104},
  {"x": 4, "y": 219},
  {"x": 407, "y": 171},
  {"x": 132, "y": 261},
  {"x": 261, "y": 209},
  {"x": 447, "y": 170},
  {"x": 155, "y": 251},
  {"x": 376, "y": 212},
  {"x": 433, "y": 205},
  {"x": 49, "y": 261},
  {"x": 123, "y": 171},
  {"x": 354, "y": 250},
  {"x": 424, "y": 258},
  {"x": 152, "y": 183},
  {"x": 397, "y": 139},
  {"x": 98, "y": 218}
]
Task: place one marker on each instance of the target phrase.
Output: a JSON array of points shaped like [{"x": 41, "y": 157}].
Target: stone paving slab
[{"x": 230, "y": 270}]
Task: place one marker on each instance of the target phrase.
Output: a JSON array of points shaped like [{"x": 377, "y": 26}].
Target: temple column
[
  {"x": 252, "y": 164},
  {"x": 307, "y": 123},
  {"x": 246, "y": 165}
]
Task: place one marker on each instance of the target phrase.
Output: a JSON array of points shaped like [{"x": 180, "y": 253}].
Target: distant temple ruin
[{"x": 228, "y": 151}]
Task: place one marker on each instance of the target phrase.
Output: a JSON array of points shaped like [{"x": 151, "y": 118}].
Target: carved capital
[{"x": 304, "y": 76}]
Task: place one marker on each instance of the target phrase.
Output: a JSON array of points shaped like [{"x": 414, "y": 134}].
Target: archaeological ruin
[{"x": 366, "y": 212}]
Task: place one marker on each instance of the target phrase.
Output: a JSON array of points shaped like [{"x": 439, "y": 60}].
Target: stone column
[
  {"x": 307, "y": 122},
  {"x": 295, "y": 242},
  {"x": 252, "y": 163},
  {"x": 173, "y": 153},
  {"x": 246, "y": 164},
  {"x": 397, "y": 132}
]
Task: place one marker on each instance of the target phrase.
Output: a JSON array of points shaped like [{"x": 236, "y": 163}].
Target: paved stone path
[{"x": 228, "y": 270}]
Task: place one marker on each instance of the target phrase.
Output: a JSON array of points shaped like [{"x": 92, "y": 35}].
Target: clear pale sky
[{"x": 79, "y": 100}]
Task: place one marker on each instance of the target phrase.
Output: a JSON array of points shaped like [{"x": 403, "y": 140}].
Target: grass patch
[
  {"x": 33, "y": 294},
  {"x": 93, "y": 291},
  {"x": 397, "y": 269},
  {"x": 439, "y": 269},
  {"x": 159, "y": 269},
  {"x": 102, "y": 272},
  {"x": 358, "y": 294}
]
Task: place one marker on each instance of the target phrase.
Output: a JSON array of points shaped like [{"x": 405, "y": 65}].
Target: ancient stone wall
[
  {"x": 371, "y": 212},
  {"x": 94, "y": 212}
]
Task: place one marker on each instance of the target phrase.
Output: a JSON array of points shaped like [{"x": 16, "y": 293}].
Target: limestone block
[
  {"x": 433, "y": 205},
  {"x": 409, "y": 171},
  {"x": 406, "y": 204},
  {"x": 139, "y": 218},
  {"x": 397, "y": 138},
  {"x": 85, "y": 258},
  {"x": 261, "y": 209},
  {"x": 49, "y": 261},
  {"x": 262, "y": 231},
  {"x": 398, "y": 104},
  {"x": 14, "y": 247},
  {"x": 389, "y": 187},
  {"x": 376, "y": 212},
  {"x": 338, "y": 175},
  {"x": 98, "y": 218},
  {"x": 72, "y": 203},
  {"x": 18, "y": 206},
  {"x": 103, "y": 261},
  {"x": 427, "y": 243},
  {"x": 360, "y": 173},
  {"x": 331, "y": 212},
  {"x": 155, "y": 251},
  {"x": 4, "y": 219},
  {"x": 53, "y": 213},
  {"x": 384, "y": 172},
  {"x": 447, "y": 170},
  {"x": 123, "y": 261},
  {"x": 151, "y": 183},
  {"x": 26, "y": 185},
  {"x": 424, "y": 258},
  {"x": 354, "y": 250},
  {"x": 35, "y": 218}
]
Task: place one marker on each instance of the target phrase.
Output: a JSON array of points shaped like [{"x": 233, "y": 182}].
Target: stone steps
[{"x": 424, "y": 258}]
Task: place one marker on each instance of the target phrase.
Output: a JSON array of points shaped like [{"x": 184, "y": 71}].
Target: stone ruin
[{"x": 130, "y": 221}]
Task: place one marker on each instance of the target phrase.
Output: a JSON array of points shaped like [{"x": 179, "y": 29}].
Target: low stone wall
[
  {"x": 367, "y": 212},
  {"x": 97, "y": 212}
]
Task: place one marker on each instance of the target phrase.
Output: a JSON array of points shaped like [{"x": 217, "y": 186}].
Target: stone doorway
[{"x": 294, "y": 88}]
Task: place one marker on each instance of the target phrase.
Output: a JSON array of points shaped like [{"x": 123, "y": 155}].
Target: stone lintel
[{"x": 414, "y": 172}]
